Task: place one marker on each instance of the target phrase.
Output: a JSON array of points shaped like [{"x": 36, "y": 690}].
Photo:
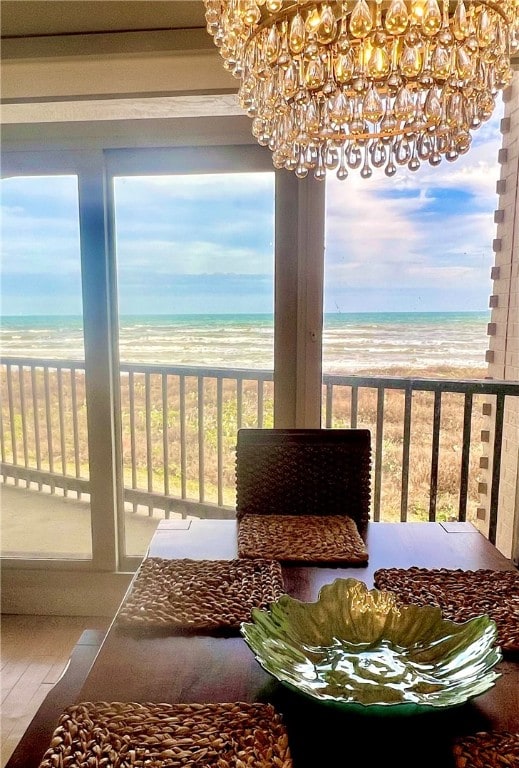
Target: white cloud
[
  {"x": 423, "y": 229},
  {"x": 194, "y": 257},
  {"x": 362, "y": 226}
]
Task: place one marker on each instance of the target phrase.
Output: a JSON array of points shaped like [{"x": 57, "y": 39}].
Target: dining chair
[{"x": 304, "y": 472}]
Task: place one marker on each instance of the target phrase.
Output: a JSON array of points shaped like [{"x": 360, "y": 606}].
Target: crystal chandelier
[{"x": 364, "y": 84}]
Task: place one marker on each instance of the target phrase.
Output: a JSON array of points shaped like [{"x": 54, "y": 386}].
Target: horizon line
[{"x": 265, "y": 314}]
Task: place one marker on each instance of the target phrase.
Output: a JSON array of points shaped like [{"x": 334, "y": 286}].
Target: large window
[
  {"x": 138, "y": 336},
  {"x": 44, "y": 424},
  {"x": 406, "y": 287},
  {"x": 195, "y": 293}
]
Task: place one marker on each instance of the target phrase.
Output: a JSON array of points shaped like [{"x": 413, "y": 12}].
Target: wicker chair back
[{"x": 304, "y": 471}]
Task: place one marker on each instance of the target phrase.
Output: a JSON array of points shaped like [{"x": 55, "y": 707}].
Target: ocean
[{"x": 352, "y": 342}]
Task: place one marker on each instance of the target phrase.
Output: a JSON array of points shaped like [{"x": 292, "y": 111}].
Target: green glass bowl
[{"x": 356, "y": 649}]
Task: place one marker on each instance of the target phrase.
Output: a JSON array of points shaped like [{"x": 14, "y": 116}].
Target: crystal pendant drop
[
  {"x": 372, "y": 107},
  {"x": 432, "y": 18},
  {"x": 331, "y": 157},
  {"x": 378, "y": 63},
  {"x": 340, "y": 111},
  {"x": 486, "y": 106},
  {"x": 327, "y": 29},
  {"x": 397, "y": 17},
  {"x": 463, "y": 142},
  {"x": 354, "y": 156},
  {"x": 433, "y": 108},
  {"x": 402, "y": 151},
  {"x": 425, "y": 146},
  {"x": 441, "y": 63},
  {"x": 378, "y": 154},
  {"x": 272, "y": 46},
  {"x": 250, "y": 12},
  {"x": 291, "y": 81},
  {"x": 404, "y": 108},
  {"x": 454, "y": 109},
  {"x": 503, "y": 72},
  {"x": 312, "y": 119},
  {"x": 464, "y": 67},
  {"x": 485, "y": 29},
  {"x": 414, "y": 162},
  {"x": 296, "y": 36},
  {"x": 388, "y": 127},
  {"x": 390, "y": 168},
  {"x": 314, "y": 74},
  {"x": 460, "y": 25},
  {"x": 411, "y": 61},
  {"x": 344, "y": 67},
  {"x": 312, "y": 21},
  {"x": 361, "y": 22}
]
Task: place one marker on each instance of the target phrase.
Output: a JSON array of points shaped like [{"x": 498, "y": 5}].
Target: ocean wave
[{"x": 350, "y": 343}]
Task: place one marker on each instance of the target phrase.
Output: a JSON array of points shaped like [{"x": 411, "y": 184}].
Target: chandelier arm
[{"x": 495, "y": 6}]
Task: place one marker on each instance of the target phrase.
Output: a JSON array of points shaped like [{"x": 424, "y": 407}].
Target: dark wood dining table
[{"x": 165, "y": 667}]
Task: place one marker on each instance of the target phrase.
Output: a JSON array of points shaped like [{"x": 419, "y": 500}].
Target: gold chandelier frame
[{"x": 273, "y": 17}]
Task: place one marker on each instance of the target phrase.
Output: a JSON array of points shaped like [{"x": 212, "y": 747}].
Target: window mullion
[
  {"x": 100, "y": 390},
  {"x": 300, "y": 211}
]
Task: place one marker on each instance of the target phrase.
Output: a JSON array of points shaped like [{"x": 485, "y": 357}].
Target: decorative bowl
[{"x": 358, "y": 650}]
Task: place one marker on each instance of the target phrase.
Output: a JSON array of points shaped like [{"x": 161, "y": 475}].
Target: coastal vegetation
[{"x": 181, "y": 438}]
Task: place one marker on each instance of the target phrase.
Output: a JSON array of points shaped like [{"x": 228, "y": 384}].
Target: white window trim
[{"x": 299, "y": 254}]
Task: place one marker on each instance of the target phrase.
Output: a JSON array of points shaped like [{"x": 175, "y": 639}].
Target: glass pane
[
  {"x": 45, "y": 501},
  {"x": 195, "y": 262},
  {"x": 407, "y": 281}
]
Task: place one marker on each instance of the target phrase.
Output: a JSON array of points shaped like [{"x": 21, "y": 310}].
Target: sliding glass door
[
  {"x": 194, "y": 269},
  {"x": 44, "y": 435},
  {"x": 189, "y": 280}
]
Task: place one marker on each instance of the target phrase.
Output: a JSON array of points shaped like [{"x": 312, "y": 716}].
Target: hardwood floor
[{"x": 34, "y": 652}]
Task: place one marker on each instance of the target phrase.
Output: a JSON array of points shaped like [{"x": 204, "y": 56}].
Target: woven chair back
[{"x": 304, "y": 471}]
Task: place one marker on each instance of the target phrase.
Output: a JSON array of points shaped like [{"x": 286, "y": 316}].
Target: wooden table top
[{"x": 153, "y": 667}]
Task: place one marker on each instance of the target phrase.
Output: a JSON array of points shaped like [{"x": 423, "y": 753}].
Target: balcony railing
[{"x": 178, "y": 435}]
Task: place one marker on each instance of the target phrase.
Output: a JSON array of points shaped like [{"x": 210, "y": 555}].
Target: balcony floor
[{"x": 38, "y": 524}]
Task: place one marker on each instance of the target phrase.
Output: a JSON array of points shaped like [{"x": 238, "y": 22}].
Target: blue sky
[{"x": 417, "y": 242}]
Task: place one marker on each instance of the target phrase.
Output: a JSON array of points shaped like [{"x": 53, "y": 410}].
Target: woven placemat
[
  {"x": 498, "y": 749},
  {"x": 199, "y": 595},
  {"x": 116, "y": 735},
  {"x": 461, "y": 595},
  {"x": 309, "y": 538}
]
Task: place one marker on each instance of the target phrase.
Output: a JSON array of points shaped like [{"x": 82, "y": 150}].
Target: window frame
[{"x": 298, "y": 290}]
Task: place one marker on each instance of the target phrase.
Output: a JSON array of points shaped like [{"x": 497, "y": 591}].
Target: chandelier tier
[{"x": 364, "y": 84}]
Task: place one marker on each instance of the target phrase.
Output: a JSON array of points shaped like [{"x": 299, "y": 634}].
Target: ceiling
[
  {"x": 33, "y": 18},
  {"x": 44, "y": 18},
  {"x": 35, "y": 30}
]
